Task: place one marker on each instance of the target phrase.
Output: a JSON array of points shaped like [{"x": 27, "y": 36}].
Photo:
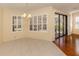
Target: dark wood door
[{"x": 60, "y": 25}]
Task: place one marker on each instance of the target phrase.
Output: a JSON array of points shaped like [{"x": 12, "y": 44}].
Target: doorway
[{"x": 60, "y": 25}]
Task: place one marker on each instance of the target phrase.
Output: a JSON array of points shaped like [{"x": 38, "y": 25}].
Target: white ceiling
[
  {"x": 26, "y": 6},
  {"x": 66, "y": 7}
]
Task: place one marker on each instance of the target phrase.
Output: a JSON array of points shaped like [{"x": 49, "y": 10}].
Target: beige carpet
[{"x": 29, "y": 47}]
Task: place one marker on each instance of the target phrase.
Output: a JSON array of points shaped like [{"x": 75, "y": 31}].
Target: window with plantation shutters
[
  {"x": 38, "y": 23},
  {"x": 17, "y": 23}
]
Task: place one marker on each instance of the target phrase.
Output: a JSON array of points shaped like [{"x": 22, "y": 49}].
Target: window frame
[
  {"x": 17, "y": 23},
  {"x": 37, "y": 24}
]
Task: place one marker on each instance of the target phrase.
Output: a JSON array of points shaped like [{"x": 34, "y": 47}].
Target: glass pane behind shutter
[
  {"x": 35, "y": 23},
  {"x": 14, "y": 23},
  {"x": 19, "y": 21},
  {"x": 39, "y": 19},
  {"x": 35, "y": 27},
  {"x": 44, "y": 22},
  {"x": 35, "y": 20},
  {"x": 39, "y": 27},
  {"x": 44, "y": 19},
  {"x": 31, "y": 27},
  {"x": 39, "y": 23},
  {"x": 44, "y": 26},
  {"x": 31, "y": 24}
]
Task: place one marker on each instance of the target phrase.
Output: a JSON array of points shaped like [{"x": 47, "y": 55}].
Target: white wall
[
  {"x": 6, "y": 24},
  {"x": 70, "y": 24},
  {"x": 74, "y": 29},
  {"x": 1, "y": 32}
]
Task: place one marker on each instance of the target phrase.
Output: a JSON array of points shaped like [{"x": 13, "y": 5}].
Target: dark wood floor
[{"x": 69, "y": 44}]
